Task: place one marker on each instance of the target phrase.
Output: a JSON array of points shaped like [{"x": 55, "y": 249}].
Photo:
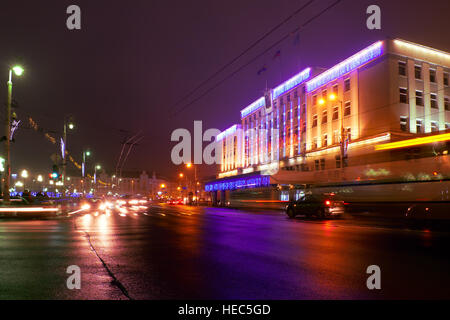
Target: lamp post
[
  {"x": 343, "y": 135},
  {"x": 18, "y": 71},
  {"x": 2, "y": 166},
  {"x": 97, "y": 167},
  {"x": 181, "y": 175},
  {"x": 67, "y": 125},
  {"x": 190, "y": 165},
  {"x": 86, "y": 153}
]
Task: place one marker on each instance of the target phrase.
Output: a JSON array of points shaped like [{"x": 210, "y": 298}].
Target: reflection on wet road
[{"x": 181, "y": 252}]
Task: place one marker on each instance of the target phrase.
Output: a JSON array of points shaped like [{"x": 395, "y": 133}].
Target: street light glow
[
  {"x": 40, "y": 178},
  {"x": 18, "y": 70},
  {"x": 88, "y": 153},
  {"x": 189, "y": 165},
  {"x": 98, "y": 167},
  {"x": 24, "y": 174},
  {"x": 71, "y": 126}
]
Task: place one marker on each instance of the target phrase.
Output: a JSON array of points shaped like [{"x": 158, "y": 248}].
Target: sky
[{"x": 132, "y": 61}]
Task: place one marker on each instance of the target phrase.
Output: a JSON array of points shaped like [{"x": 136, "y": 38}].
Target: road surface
[{"x": 181, "y": 252}]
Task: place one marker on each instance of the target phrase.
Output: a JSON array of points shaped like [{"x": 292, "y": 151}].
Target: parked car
[{"x": 321, "y": 206}]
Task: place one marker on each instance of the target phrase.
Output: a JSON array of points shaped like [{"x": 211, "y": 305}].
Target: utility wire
[
  {"x": 297, "y": 29},
  {"x": 190, "y": 93}
]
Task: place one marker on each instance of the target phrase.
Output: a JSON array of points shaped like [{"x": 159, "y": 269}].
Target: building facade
[{"x": 323, "y": 125}]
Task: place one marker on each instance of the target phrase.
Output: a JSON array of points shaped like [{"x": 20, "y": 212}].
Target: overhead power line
[
  {"x": 294, "y": 31},
  {"x": 212, "y": 76}
]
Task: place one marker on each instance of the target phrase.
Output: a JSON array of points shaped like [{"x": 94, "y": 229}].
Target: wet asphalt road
[{"x": 180, "y": 252}]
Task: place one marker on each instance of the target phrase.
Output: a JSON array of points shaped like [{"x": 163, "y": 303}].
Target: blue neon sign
[
  {"x": 261, "y": 102},
  {"x": 239, "y": 183},
  {"x": 291, "y": 83},
  {"x": 355, "y": 61},
  {"x": 227, "y": 132}
]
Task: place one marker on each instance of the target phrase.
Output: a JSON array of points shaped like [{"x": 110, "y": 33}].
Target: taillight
[{"x": 327, "y": 202}]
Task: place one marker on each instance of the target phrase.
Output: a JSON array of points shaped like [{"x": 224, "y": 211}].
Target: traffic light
[{"x": 55, "y": 172}]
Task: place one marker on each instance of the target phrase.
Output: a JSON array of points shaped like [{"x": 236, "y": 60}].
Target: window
[
  {"x": 347, "y": 85},
  {"x": 335, "y": 113},
  {"x": 402, "y": 68},
  {"x": 445, "y": 79},
  {"x": 314, "y": 98},
  {"x": 403, "y": 123},
  {"x": 419, "y": 98},
  {"x": 336, "y": 136},
  {"x": 314, "y": 143},
  {"x": 433, "y": 100},
  {"x": 322, "y": 164},
  {"x": 295, "y": 94},
  {"x": 281, "y": 101},
  {"x": 446, "y": 104},
  {"x": 325, "y": 140},
  {"x": 299, "y": 194},
  {"x": 434, "y": 126},
  {"x": 314, "y": 123},
  {"x": 403, "y": 95},
  {"x": 324, "y": 94},
  {"x": 418, "y": 72},
  {"x": 335, "y": 89},
  {"x": 338, "y": 161},
  {"x": 316, "y": 164},
  {"x": 447, "y": 126},
  {"x": 284, "y": 196},
  {"x": 324, "y": 117},
  {"x": 347, "y": 108},
  {"x": 419, "y": 126},
  {"x": 288, "y": 98},
  {"x": 432, "y": 75}
]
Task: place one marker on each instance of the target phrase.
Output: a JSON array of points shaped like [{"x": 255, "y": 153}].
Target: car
[{"x": 321, "y": 206}]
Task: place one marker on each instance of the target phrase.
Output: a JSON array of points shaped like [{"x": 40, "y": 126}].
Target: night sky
[{"x": 132, "y": 60}]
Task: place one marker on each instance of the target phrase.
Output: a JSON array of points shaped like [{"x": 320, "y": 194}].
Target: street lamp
[
  {"x": 86, "y": 153},
  {"x": 189, "y": 165},
  {"x": 97, "y": 167},
  {"x": 24, "y": 174},
  {"x": 18, "y": 71},
  {"x": 68, "y": 124}
]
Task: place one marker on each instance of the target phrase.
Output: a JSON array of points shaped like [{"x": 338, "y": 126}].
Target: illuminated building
[{"x": 324, "y": 126}]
